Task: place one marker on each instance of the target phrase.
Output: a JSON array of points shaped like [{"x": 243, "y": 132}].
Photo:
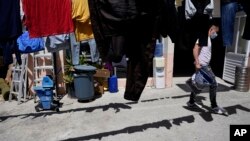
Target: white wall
[{"x": 216, "y": 12}]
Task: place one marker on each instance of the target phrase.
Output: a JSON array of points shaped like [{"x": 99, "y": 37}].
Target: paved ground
[{"x": 160, "y": 115}]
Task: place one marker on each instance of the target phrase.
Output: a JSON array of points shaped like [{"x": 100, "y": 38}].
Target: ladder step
[
  {"x": 43, "y": 67},
  {"x": 16, "y": 69},
  {"x": 88, "y": 56},
  {"x": 88, "y": 60},
  {"x": 16, "y": 81},
  {"x": 19, "y": 73},
  {"x": 38, "y": 80},
  {"x": 43, "y": 55},
  {"x": 14, "y": 92}
]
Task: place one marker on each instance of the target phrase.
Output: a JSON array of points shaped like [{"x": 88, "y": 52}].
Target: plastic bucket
[{"x": 83, "y": 82}]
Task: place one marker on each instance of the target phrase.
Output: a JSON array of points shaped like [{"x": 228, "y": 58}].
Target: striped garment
[{"x": 205, "y": 53}]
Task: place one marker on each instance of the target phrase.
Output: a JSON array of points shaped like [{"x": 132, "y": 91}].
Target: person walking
[{"x": 204, "y": 75}]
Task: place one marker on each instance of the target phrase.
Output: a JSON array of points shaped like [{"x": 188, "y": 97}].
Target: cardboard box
[
  {"x": 101, "y": 76},
  {"x": 99, "y": 90},
  {"x": 104, "y": 73}
]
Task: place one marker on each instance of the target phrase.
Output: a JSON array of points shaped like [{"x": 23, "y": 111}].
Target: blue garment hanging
[{"x": 29, "y": 45}]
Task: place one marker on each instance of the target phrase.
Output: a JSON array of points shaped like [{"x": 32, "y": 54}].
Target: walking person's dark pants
[{"x": 212, "y": 89}]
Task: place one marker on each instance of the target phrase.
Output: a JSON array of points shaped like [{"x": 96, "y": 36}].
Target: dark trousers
[
  {"x": 139, "y": 67},
  {"x": 9, "y": 47},
  {"x": 246, "y": 8},
  {"x": 212, "y": 87},
  {"x": 128, "y": 27}
]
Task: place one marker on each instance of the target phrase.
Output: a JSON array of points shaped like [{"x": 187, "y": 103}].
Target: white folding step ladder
[
  {"x": 43, "y": 62},
  {"x": 18, "y": 86}
]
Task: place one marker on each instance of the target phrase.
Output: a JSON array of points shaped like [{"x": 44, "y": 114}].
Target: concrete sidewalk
[{"x": 160, "y": 115}]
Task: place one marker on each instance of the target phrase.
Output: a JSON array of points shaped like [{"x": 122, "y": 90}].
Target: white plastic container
[{"x": 159, "y": 72}]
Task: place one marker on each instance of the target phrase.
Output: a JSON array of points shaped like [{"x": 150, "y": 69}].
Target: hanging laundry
[
  {"x": 81, "y": 18},
  {"x": 9, "y": 47},
  {"x": 131, "y": 27},
  {"x": 228, "y": 13},
  {"x": 83, "y": 28},
  {"x": 10, "y": 21},
  {"x": 48, "y": 17},
  {"x": 57, "y": 42},
  {"x": 10, "y": 29},
  {"x": 246, "y": 7},
  {"x": 168, "y": 20},
  {"x": 75, "y": 49},
  {"x": 198, "y": 13},
  {"x": 94, "y": 53},
  {"x": 193, "y": 7},
  {"x": 29, "y": 45}
]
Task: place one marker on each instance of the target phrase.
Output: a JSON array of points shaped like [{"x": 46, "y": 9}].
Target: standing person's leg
[
  {"x": 194, "y": 91},
  {"x": 192, "y": 99},
  {"x": 212, "y": 87},
  {"x": 213, "y": 91}
]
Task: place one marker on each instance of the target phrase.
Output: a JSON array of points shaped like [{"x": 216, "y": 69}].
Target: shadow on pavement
[
  {"x": 205, "y": 113},
  {"x": 155, "y": 99},
  {"x": 116, "y": 106},
  {"x": 220, "y": 88},
  {"x": 207, "y": 116}
]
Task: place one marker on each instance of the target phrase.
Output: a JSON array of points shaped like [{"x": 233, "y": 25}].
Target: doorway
[{"x": 183, "y": 56}]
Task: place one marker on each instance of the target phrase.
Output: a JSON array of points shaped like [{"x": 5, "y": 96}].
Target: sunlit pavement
[{"x": 160, "y": 115}]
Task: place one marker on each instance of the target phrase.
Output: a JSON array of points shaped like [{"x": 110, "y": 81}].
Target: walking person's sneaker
[
  {"x": 192, "y": 86},
  {"x": 193, "y": 105},
  {"x": 219, "y": 110}
]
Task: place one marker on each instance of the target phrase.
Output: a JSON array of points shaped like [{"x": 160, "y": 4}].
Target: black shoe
[
  {"x": 192, "y": 86},
  {"x": 194, "y": 105}
]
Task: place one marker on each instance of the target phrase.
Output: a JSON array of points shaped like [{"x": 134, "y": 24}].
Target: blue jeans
[
  {"x": 228, "y": 12},
  {"x": 93, "y": 50},
  {"x": 75, "y": 49}
]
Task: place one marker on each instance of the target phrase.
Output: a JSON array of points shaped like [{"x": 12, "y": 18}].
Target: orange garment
[{"x": 81, "y": 18}]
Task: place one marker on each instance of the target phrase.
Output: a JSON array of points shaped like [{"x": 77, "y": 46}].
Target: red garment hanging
[{"x": 48, "y": 17}]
